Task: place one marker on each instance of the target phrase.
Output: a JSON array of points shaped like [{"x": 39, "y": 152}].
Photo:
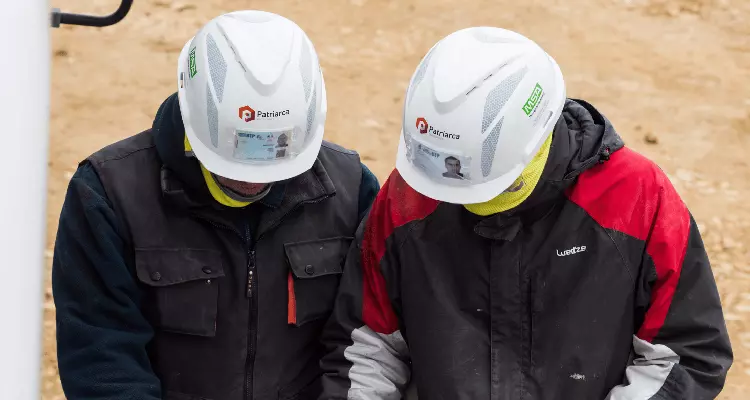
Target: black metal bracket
[{"x": 59, "y": 18}]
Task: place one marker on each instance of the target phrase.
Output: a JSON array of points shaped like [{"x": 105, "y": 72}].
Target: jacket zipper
[
  {"x": 252, "y": 333},
  {"x": 529, "y": 334},
  {"x": 249, "y": 363},
  {"x": 252, "y": 284},
  {"x": 252, "y": 294}
]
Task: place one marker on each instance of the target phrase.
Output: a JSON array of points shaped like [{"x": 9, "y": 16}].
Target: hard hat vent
[
  {"x": 217, "y": 65},
  {"x": 419, "y": 75},
  {"x": 311, "y": 112},
  {"x": 305, "y": 68},
  {"x": 489, "y": 146},
  {"x": 497, "y": 98},
  {"x": 213, "y": 118}
]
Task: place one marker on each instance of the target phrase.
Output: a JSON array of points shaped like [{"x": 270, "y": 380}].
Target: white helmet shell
[
  {"x": 252, "y": 97},
  {"x": 478, "y": 108}
]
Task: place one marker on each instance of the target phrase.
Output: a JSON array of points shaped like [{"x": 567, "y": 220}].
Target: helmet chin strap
[{"x": 241, "y": 197}]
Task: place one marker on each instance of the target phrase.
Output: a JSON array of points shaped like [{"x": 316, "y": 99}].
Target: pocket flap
[
  {"x": 164, "y": 267},
  {"x": 317, "y": 258}
]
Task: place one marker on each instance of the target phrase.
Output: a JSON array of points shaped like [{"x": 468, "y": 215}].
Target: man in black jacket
[
  {"x": 197, "y": 261},
  {"x": 563, "y": 266}
]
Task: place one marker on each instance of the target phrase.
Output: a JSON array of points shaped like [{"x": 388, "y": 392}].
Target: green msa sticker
[
  {"x": 533, "y": 100},
  {"x": 191, "y": 63}
]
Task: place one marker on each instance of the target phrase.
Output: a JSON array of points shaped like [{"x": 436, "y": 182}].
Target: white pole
[{"x": 24, "y": 129}]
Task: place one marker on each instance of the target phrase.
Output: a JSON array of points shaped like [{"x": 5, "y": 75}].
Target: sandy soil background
[{"x": 672, "y": 75}]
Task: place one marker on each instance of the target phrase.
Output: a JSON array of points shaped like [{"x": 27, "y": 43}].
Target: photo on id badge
[
  {"x": 453, "y": 168},
  {"x": 281, "y": 145},
  {"x": 440, "y": 164}
]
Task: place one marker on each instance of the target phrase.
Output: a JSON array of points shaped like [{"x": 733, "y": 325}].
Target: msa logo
[
  {"x": 191, "y": 64},
  {"x": 533, "y": 100},
  {"x": 568, "y": 252}
]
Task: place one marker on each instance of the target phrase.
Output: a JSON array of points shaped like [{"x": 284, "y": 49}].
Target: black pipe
[{"x": 59, "y": 18}]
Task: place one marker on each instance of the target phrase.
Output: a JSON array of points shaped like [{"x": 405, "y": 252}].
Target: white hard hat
[
  {"x": 478, "y": 108},
  {"x": 252, "y": 97}
]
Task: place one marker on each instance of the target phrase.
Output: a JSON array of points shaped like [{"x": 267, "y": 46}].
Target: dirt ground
[{"x": 672, "y": 75}]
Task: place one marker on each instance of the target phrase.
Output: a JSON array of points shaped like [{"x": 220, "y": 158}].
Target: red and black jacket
[{"x": 597, "y": 287}]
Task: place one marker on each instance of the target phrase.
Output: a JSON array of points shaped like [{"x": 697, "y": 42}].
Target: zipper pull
[
  {"x": 250, "y": 284},
  {"x": 250, "y": 273}
]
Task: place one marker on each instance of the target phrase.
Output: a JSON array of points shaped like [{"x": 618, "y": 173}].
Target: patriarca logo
[
  {"x": 249, "y": 114},
  {"x": 423, "y": 127}
]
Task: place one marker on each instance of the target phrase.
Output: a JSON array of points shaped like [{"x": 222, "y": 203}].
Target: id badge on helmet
[
  {"x": 263, "y": 145},
  {"x": 447, "y": 167}
]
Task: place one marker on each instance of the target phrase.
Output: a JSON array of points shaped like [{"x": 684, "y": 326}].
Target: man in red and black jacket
[{"x": 563, "y": 265}]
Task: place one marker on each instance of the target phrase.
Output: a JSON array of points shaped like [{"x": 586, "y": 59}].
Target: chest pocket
[
  {"x": 183, "y": 288},
  {"x": 315, "y": 271}
]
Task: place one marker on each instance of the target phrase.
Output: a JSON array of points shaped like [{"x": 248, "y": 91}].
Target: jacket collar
[
  {"x": 582, "y": 138},
  {"x": 313, "y": 186}
]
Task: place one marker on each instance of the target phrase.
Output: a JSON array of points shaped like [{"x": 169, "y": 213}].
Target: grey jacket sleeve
[
  {"x": 682, "y": 350},
  {"x": 367, "y": 357}
]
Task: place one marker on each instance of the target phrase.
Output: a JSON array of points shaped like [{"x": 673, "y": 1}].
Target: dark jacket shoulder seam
[
  {"x": 411, "y": 226},
  {"x": 619, "y": 251},
  {"x": 345, "y": 152},
  {"x": 608, "y": 232},
  {"x": 121, "y": 227},
  {"x": 128, "y": 154}
]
